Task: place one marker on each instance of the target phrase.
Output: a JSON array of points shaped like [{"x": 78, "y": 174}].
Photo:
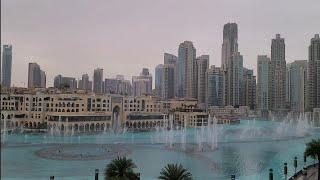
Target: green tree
[
  {"x": 121, "y": 168},
  {"x": 313, "y": 150},
  {"x": 175, "y": 172}
]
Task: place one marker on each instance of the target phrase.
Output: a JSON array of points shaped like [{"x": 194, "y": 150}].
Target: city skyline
[{"x": 56, "y": 51}]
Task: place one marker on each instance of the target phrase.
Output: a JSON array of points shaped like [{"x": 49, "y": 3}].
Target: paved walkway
[{"x": 312, "y": 174}]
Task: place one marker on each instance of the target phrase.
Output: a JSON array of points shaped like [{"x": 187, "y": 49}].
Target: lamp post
[
  {"x": 270, "y": 174},
  {"x": 295, "y": 164},
  {"x": 233, "y": 177},
  {"x": 96, "y": 174},
  {"x": 285, "y": 170}
]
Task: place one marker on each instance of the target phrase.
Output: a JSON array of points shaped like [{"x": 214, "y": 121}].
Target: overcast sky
[{"x": 72, "y": 37}]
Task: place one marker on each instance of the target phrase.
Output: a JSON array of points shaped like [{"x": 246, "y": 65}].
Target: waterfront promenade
[{"x": 312, "y": 174}]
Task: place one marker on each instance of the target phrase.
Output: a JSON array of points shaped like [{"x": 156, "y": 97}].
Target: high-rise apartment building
[
  {"x": 214, "y": 86},
  {"x": 158, "y": 79},
  {"x": 233, "y": 79},
  {"x": 263, "y": 83},
  {"x": 98, "y": 86},
  {"x": 142, "y": 85},
  {"x": 230, "y": 43},
  {"x": 248, "y": 96},
  {"x": 36, "y": 77},
  {"x": 117, "y": 85},
  {"x": 6, "y": 66},
  {"x": 168, "y": 81},
  {"x": 85, "y": 83},
  {"x": 172, "y": 59},
  {"x": 62, "y": 82},
  {"x": 43, "y": 81},
  {"x": 297, "y": 83},
  {"x": 187, "y": 70},
  {"x": 277, "y": 87},
  {"x": 314, "y": 73},
  {"x": 228, "y": 53},
  {"x": 202, "y": 69}
]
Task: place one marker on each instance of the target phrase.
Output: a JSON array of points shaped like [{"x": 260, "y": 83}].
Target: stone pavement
[{"x": 312, "y": 174}]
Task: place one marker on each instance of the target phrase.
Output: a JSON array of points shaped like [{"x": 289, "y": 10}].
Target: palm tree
[
  {"x": 175, "y": 172},
  {"x": 313, "y": 150},
  {"x": 121, "y": 168}
]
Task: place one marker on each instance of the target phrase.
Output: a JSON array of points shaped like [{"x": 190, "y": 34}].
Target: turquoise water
[{"x": 247, "y": 150}]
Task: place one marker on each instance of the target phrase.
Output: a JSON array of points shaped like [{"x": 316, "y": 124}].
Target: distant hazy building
[
  {"x": 187, "y": 70},
  {"x": 6, "y": 66},
  {"x": 277, "y": 86},
  {"x": 249, "y": 89},
  {"x": 214, "y": 86},
  {"x": 158, "y": 79},
  {"x": 142, "y": 84},
  {"x": 62, "y": 82},
  {"x": 36, "y": 77},
  {"x": 85, "y": 83},
  {"x": 297, "y": 83},
  {"x": 98, "y": 81},
  {"x": 117, "y": 85},
  {"x": 314, "y": 73},
  {"x": 263, "y": 82},
  {"x": 202, "y": 69},
  {"x": 168, "y": 81}
]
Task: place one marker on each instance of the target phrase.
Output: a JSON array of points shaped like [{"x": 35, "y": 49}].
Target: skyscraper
[
  {"x": 230, "y": 43},
  {"x": 277, "y": 87},
  {"x": 6, "y": 65},
  {"x": 98, "y": 81},
  {"x": 263, "y": 83},
  {"x": 36, "y": 77},
  {"x": 62, "y": 82},
  {"x": 202, "y": 69},
  {"x": 85, "y": 83},
  {"x": 297, "y": 83},
  {"x": 117, "y": 85},
  {"x": 228, "y": 53},
  {"x": 142, "y": 85},
  {"x": 314, "y": 73},
  {"x": 235, "y": 80},
  {"x": 214, "y": 86},
  {"x": 168, "y": 81},
  {"x": 248, "y": 96},
  {"x": 43, "y": 80},
  {"x": 187, "y": 75},
  {"x": 172, "y": 59},
  {"x": 158, "y": 79}
]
